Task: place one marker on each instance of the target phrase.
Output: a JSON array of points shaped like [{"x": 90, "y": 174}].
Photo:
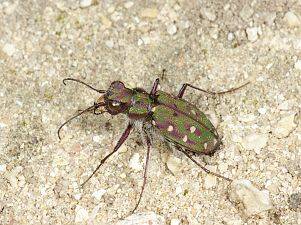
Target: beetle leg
[
  {"x": 148, "y": 142},
  {"x": 154, "y": 88},
  {"x": 184, "y": 86},
  {"x": 122, "y": 139},
  {"x": 186, "y": 152}
]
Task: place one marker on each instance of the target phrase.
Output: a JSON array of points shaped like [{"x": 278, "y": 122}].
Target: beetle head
[{"x": 117, "y": 98}]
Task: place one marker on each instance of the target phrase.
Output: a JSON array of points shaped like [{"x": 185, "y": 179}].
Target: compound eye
[{"x": 116, "y": 103}]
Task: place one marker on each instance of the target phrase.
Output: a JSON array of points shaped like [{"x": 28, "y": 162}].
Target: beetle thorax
[{"x": 141, "y": 105}]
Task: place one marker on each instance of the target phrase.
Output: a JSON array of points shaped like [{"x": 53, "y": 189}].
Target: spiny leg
[
  {"x": 122, "y": 139},
  {"x": 148, "y": 142},
  {"x": 154, "y": 88},
  {"x": 186, "y": 152},
  {"x": 184, "y": 86}
]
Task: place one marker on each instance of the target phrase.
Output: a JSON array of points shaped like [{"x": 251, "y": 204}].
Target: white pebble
[
  {"x": 262, "y": 111},
  {"x": 208, "y": 14},
  {"x": 175, "y": 222},
  {"x": 171, "y": 29},
  {"x": 99, "y": 193},
  {"x": 109, "y": 43},
  {"x": 145, "y": 218},
  {"x": 81, "y": 214},
  {"x": 298, "y": 65},
  {"x": 252, "y": 33},
  {"x": 85, "y": 3},
  {"x": 135, "y": 162},
  {"x": 291, "y": 19},
  {"x": 253, "y": 200},
  {"x": 149, "y": 13},
  {"x": 2, "y": 168},
  {"x": 255, "y": 142},
  {"x": 128, "y": 4},
  {"x": 9, "y": 49},
  {"x": 179, "y": 190},
  {"x": 77, "y": 196},
  {"x": 246, "y": 12},
  {"x": 174, "y": 164},
  {"x": 230, "y": 36},
  {"x": 210, "y": 181},
  {"x": 285, "y": 126}
]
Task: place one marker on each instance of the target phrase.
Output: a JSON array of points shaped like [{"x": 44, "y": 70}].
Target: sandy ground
[{"x": 215, "y": 46}]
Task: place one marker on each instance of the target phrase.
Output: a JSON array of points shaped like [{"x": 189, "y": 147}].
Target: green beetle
[{"x": 178, "y": 121}]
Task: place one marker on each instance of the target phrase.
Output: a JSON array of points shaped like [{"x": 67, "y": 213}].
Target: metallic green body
[
  {"x": 177, "y": 120},
  {"x": 183, "y": 124}
]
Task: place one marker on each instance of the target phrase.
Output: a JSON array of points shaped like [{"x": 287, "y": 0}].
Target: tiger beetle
[{"x": 179, "y": 122}]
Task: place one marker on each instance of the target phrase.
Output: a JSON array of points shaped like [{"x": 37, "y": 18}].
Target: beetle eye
[{"x": 115, "y": 103}]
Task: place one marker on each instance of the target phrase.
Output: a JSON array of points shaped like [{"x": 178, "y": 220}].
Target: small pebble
[
  {"x": 291, "y": 19},
  {"x": 246, "y": 12},
  {"x": 146, "y": 218},
  {"x": 254, "y": 201},
  {"x": 2, "y": 168},
  {"x": 295, "y": 201},
  {"x": 175, "y": 222},
  {"x": 268, "y": 17},
  {"x": 210, "y": 181},
  {"x": 298, "y": 65},
  {"x": 128, "y": 5},
  {"x": 179, "y": 190},
  {"x": 135, "y": 162},
  {"x": 85, "y": 3},
  {"x": 230, "y": 36},
  {"x": 105, "y": 22},
  {"x": 208, "y": 14},
  {"x": 149, "y": 13},
  {"x": 255, "y": 142},
  {"x": 109, "y": 43},
  {"x": 99, "y": 193},
  {"x": 77, "y": 196},
  {"x": 174, "y": 164},
  {"x": 171, "y": 29},
  {"x": 97, "y": 138},
  {"x": 262, "y": 111},
  {"x": 81, "y": 214},
  {"x": 285, "y": 126},
  {"x": 252, "y": 33},
  {"x": 9, "y": 49}
]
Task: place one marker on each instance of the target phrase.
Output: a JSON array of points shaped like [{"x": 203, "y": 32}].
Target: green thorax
[{"x": 141, "y": 104}]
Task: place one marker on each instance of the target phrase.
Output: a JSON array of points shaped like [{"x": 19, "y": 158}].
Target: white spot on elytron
[
  {"x": 154, "y": 122},
  {"x": 193, "y": 112},
  {"x": 192, "y": 129},
  {"x": 153, "y": 109},
  {"x": 170, "y": 128},
  {"x": 205, "y": 146},
  {"x": 185, "y": 138}
]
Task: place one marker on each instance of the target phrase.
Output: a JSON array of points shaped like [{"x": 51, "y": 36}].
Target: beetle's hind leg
[
  {"x": 184, "y": 86},
  {"x": 188, "y": 154}
]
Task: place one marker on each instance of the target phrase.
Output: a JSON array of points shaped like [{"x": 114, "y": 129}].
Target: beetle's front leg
[
  {"x": 122, "y": 139},
  {"x": 187, "y": 153}
]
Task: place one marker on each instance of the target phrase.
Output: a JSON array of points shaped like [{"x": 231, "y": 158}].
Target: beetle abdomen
[{"x": 183, "y": 124}]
